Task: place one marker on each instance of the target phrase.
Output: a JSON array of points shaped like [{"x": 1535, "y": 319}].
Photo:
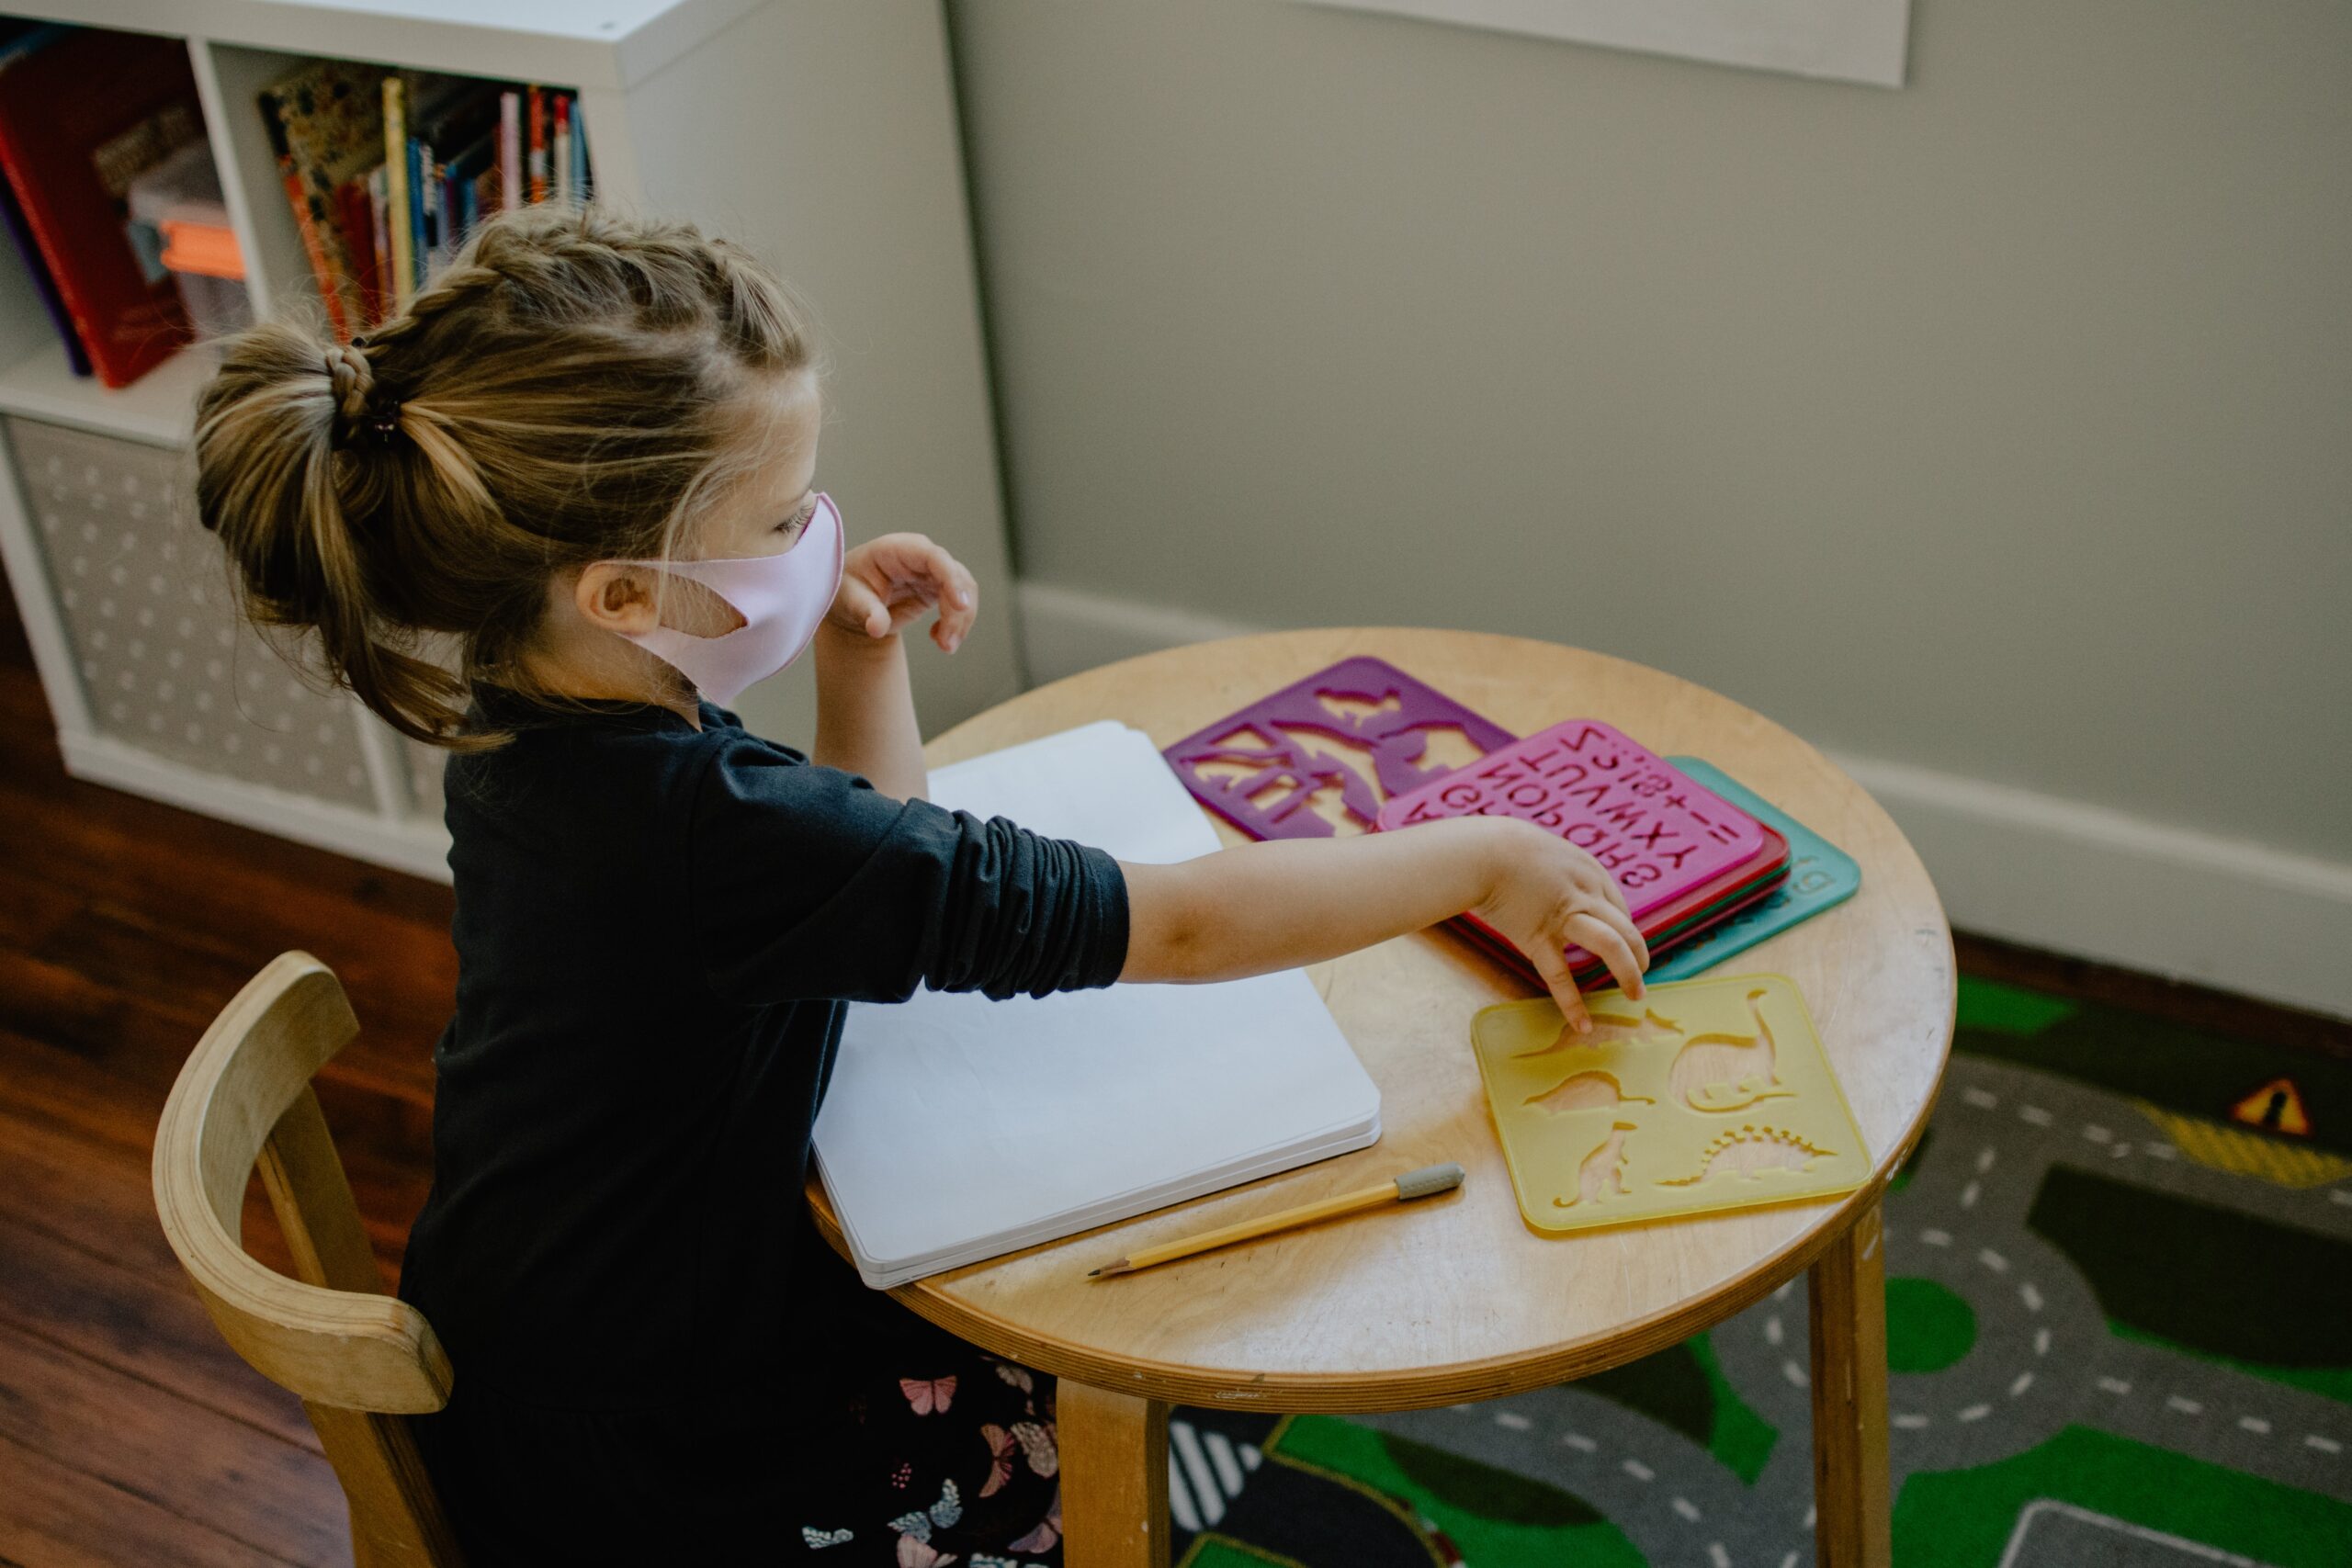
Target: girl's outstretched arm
[
  {"x": 865, "y": 713},
  {"x": 1278, "y": 905}
]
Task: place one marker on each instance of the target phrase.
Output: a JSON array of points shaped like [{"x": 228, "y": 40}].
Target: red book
[
  {"x": 78, "y": 122},
  {"x": 355, "y": 216},
  {"x": 536, "y": 114}
]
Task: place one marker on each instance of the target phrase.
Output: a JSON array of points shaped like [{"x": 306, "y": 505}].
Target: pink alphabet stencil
[{"x": 1657, "y": 831}]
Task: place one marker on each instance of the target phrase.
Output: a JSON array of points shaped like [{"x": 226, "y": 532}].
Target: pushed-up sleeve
[{"x": 808, "y": 882}]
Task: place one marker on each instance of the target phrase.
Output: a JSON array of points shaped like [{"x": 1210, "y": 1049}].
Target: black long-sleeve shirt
[{"x": 656, "y": 929}]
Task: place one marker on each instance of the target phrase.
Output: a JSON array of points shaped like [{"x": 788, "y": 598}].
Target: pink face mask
[{"x": 783, "y": 600}]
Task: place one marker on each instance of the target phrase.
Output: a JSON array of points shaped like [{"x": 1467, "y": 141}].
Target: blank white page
[{"x": 957, "y": 1128}]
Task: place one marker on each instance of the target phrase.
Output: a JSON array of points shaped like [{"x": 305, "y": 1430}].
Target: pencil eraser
[{"x": 1428, "y": 1180}]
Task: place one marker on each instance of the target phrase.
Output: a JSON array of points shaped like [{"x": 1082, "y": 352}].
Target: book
[
  {"x": 397, "y": 199},
  {"x": 579, "y": 191},
  {"x": 355, "y": 219},
  {"x": 80, "y": 116},
  {"x": 21, "y": 234},
  {"x": 509, "y": 151},
  {"x": 447, "y": 116},
  {"x": 535, "y": 100},
  {"x": 956, "y": 1128},
  {"x": 18, "y": 39},
  {"x": 561, "y": 164},
  {"x": 326, "y": 126},
  {"x": 379, "y": 203},
  {"x": 466, "y": 175}
]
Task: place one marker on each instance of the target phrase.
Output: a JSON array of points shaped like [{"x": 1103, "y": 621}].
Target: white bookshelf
[{"x": 821, "y": 133}]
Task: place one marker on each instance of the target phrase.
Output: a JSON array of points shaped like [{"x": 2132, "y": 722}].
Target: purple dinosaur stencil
[{"x": 1260, "y": 770}]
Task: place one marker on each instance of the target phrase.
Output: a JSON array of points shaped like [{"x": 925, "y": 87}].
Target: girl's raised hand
[{"x": 890, "y": 580}]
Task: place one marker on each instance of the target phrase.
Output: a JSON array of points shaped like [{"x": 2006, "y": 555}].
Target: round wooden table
[{"x": 1456, "y": 1298}]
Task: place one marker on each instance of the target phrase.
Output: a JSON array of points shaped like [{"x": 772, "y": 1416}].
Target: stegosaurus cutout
[{"x": 1643, "y": 1118}]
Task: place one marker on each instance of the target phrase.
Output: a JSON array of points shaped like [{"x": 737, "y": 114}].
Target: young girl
[{"x": 580, "y": 469}]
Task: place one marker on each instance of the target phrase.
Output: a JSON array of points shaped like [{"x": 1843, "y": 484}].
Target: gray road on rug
[{"x": 2042, "y": 1357}]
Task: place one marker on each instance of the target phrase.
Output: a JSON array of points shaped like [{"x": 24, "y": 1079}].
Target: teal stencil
[{"x": 1820, "y": 874}]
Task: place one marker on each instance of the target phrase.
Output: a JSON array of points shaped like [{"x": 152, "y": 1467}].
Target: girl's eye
[{"x": 799, "y": 518}]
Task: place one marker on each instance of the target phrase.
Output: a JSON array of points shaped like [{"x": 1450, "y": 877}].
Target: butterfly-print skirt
[{"x": 934, "y": 1452}]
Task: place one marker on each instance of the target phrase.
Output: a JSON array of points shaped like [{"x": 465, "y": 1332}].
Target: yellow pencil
[{"x": 1412, "y": 1184}]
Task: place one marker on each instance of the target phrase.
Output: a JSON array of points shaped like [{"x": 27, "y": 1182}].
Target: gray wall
[{"x": 2000, "y": 425}]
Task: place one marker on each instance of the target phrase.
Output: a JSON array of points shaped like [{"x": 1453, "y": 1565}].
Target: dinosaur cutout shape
[
  {"x": 1749, "y": 1150},
  {"x": 1729, "y": 1072},
  {"x": 1608, "y": 1027},
  {"x": 1602, "y": 1174},
  {"x": 1351, "y": 708},
  {"x": 1592, "y": 1091}
]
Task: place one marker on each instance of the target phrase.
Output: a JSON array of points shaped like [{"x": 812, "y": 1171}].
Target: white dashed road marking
[
  {"x": 2186, "y": 1406},
  {"x": 1980, "y": 1098},
  {"x": 2115, "y": 1385},
  {"x": 1638, "y": 1471},
  {"x": 2256, "y": 1425},
  {"x": 2035, "y": 1114},
  {"x": 1687, "y": 1508},
  {"x": 1512, "y": 1419}
]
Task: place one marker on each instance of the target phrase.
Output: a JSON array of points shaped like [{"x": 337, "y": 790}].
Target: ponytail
[{"x": 565, "y": 392}]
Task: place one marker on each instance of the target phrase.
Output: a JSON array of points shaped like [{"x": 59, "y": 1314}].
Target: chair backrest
[{"x": 361, "y": 1360}]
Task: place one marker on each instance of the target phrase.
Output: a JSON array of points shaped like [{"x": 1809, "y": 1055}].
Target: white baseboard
[
  {"x": 2032, "y": 868},
  {"x": 419, "y": 846}
]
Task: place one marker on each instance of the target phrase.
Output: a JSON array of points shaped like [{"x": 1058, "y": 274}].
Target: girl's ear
[{"x": 615, "y": 598}]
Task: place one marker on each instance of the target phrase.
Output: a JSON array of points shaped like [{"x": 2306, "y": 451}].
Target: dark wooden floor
[{"x": 130, "y": 1434}]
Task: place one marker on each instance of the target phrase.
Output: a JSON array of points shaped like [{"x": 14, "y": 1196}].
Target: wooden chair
[{"x": 362, "y": 1361}]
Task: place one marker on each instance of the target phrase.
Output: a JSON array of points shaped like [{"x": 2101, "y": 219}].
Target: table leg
[
  {"x": 1114, "y": 1478},
  {"x": 1854, "y": 1505}
]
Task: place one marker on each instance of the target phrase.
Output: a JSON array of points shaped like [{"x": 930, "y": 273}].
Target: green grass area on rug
[{"x": 2116, "y": 1321}]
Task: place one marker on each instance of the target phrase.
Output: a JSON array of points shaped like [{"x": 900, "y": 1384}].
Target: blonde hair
[{"x": 568, "y": 391}]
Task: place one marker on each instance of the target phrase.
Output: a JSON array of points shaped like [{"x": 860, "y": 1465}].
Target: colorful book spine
[
  {"x": 579, "y": 153},
  {"x": 379, "y": 202},
  {"x": 535, "y": 112},
  {"x": 355, "y": 215},
  {"x": 509, "y": 151},
  {"x": 562, "y": 161},
  {"x": 419, "y": 245},
  {"x": 314, "y": 243},
  {"x": 397, "y": 198}
]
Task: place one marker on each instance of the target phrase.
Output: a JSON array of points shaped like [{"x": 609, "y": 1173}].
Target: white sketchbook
[{"x": 957, "y": 1128}]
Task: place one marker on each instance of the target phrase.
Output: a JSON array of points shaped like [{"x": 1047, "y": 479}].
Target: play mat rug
[{"x": 2118, "y": 1286}]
